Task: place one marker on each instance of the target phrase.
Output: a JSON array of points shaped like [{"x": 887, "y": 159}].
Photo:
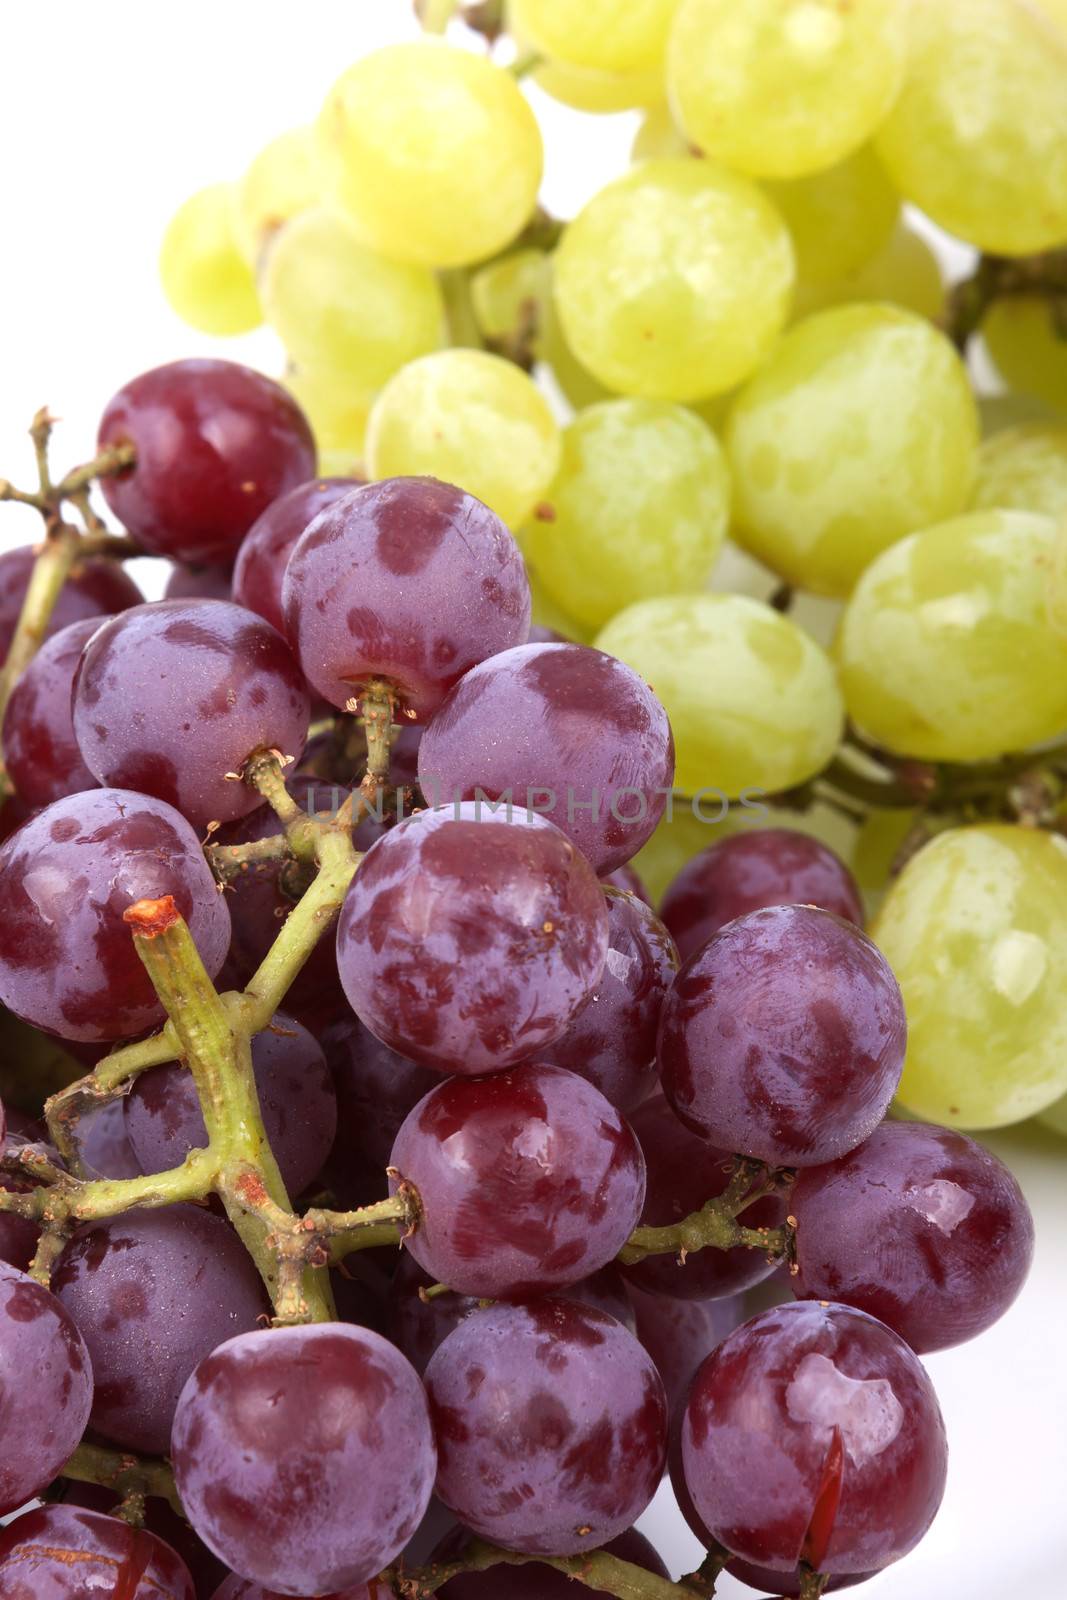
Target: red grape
[
  {"x": 67, "y": 959},
  {"x": 200, "y": 583},
  {"x": 95, "y": 588},
  {"x": 629, "y": 881},
  {"x": 41, "y": 752},
  {"x": 410, "y": 580},
  {"x": 67, "y": 1553},
  {"x": 18, "y": 1235},
  {"x": 376, "y": 1088},
  {"x": 216, "y": 443},
  {"x": 46, "y": 1387},
  {"x": 565, "y": 730},
  {"x": 679, "y": 1334},
  {"x": 103, "y": 1144},
  {"x": 206, "y": 1570},
  {"x": 304, "y": 1456},
  {"x": 270, "y": 541},
  {"x": 173, "y": 698},
  {"x": 468, "y": 941},
  {"x": 529, "y": 1180},
  {"x": 536, "y": 1582},
  {"x": 783, "y": 1037},
  {"x": 551, "y": 1423},
  {"x": 813, "y": 1434}
]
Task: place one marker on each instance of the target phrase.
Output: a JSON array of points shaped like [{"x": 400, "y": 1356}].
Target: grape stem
[
  {"x": 597, "y": 1569},
  {"x": 715, "y": 1225},
  {"x": 1004, "y": 278},
  {"x": 128, "y": 1475}
]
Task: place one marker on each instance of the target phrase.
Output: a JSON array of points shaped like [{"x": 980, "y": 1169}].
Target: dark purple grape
[
  {"x": 410, "y": 580},
  {"x": 46, "y": 1387},
  {"x": 813, "y": 1434},
  {"x": 3, "y": 1128},
  {"x": 749, "y": 871},
  {"x": 629, "y": 881},
  {"x": 304, "y": 1456},
  {"x": 200, "y": 583},
  {"x": 361, "y": 1284},
  {"x": 535, "y": 1582},
  {"x": 236, "y": 1588},
  {"x": 216, "y": 443},
  {"x": 67, "y": 959},
  {"x": 783, "y": 1037},
  {"x": 172, "y": 699},
  {"x": 64, "y": 1552},
  {"x": 551, "y": 1424},
  {"x": 152, "y": 1293},
  {"x": 612, "y": 1040},
  {"x": 564, "y": 730},
  {"x": 41, "y": 752},
  {"x": 605, "y": 1290},
  {"x": 296, "y": 1096},
  {"x": 18, "y": 1235},
  {"x": 468, "y": 941},
  {"x": 206, "y": 1570},
  {"x": 95, "y": 588},
  {"x": 680, "y": 1334},
  {"x": 376, "y": 1088},
  {"x": 684, "y": 1171},
  {"x": 921, "y": 1227},
  {"x": 103, "y": 1143},
  {"x": 529, "y": 1180},
  {"x": 270, "y": 541}
]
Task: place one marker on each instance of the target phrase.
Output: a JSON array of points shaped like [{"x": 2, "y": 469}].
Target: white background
[{"x": 110, "y": 114}]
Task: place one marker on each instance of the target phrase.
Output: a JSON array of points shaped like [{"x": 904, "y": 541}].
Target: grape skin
[
  {"x": 601, "y": 36},
  {"x": 376, "y": 1088},
  {"x": 204, "y": 276},
  {"x": 259, "y": 570},
  {"x": 1023, "y": 339},
  {"x": 1024, "y": 469},
  {"x": 68, "y": 1553},
  {"x": 281, "y": 181},
  {"x": 906, "y": 273},
  {"x": 680, "y": 1334},
  {"x": 95, "y": 588},
  {"x": 40, "y": 750}
]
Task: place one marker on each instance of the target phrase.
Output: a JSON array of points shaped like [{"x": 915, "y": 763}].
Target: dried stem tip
[{"x": 150, "y": 918}]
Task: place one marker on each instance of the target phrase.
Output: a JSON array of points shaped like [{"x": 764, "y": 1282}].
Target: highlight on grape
[{"x": 506, "y": 964}]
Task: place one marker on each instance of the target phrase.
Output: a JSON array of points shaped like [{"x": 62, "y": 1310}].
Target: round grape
[
  {"x": 338, "y": 417},
  {"x": 40, "y": 750},
  {"x": 271, "y": 540},
  {"x": 206, "y": 279},
  {"x": 65, "y": 1552},
  {"x": 281, "y": 181},
  {"x": 840, "y": 218},
  {"x": 1023, "y": 338},
  {"x": 1024, "y": 469},
  {"x": 95, "y": 588},
  {"x": 200, "y": 583},
  {"x": 376, "y": 1088},
  {"x": 626, "y": 880},
  {"x": 601, "y": 35},
  {"x": 679, "y": 1335}
]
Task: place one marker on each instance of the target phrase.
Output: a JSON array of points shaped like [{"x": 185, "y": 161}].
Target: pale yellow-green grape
[
  {"x": 877, "y": 846},
  {"x": 674, "y": 281},
  {"x": 659, "y": 138},
  {"x": 949, "y": 648},
  {"x": 714, "y": 411},
  {"x": 576, "y": 383},
  {"x": 839, "y": 218},
  {"x": 508, "y": 295},
  {"x": 282, "y": 181},
  {"x": 597, "y": 33},
  {"x": 433, "y": 151},
  {"x": 337, "y": 304},
  {"x": 1056, "y": 9},
  {"x": 586, "y": 89},
  {"x": 1056, "y": 1117},
  {"x": 205, "y": 278},
  {"x": 779, "y": 88},
  {"x": 1028, "y": 349},
  {"x": 975, "y": 929},
  {"x": 472, "y": 419},
  {"x": 545, "y": 613},
  {"x": 753, "y": 701},
  {"x": 860, "y": 429},
  {"x": 998, "y": 412},
  {"x": 978, "y": 136},
  {"x": 639, "y": 507},
  {"x": 905, "y": 273},
  {"x": 1025, "y": 469},
  {"x": 338, "y": 412}
]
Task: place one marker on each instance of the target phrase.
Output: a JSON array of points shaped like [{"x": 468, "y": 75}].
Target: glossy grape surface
[
  {"x": 304, "y": 1456},
  {"x": 205, "y": 277},
  {"x": 783, "y": 1037},
  {"x": 67, "y": 960},
  {"x": 468, "y": 941},
  {"x": 68, "y": 1553},
  {"x": 1024, "y": 469},
  {"x": 376, "y": 1088},
  {"x": 813, "y": 1433},
  {"x": 281, "y": 181},
  {"x": 680, "y": 1334},
  {"x": 628, "y": 881},
  {"x": 95, "y": 588},
  {"x": 216, "y": 443},
  {"x": 40, "y": 751},
  {"x": 161, "y": 1520},
  {"x": 529, "y": 1180},
  {"x": 270, "y": 541},
  {"x": 552, "y": 1426},
  {"x": 410, "y": 580}
]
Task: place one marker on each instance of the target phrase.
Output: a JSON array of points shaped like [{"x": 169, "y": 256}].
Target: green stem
[
  {"x": 125, "y": 1474},
  {"x": 50, "y": 572},
  {"x": 594, "y": 1568},
  {"x": 715, "y": 1225}
]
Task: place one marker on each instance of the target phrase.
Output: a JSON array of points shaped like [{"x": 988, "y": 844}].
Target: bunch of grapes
[{"x": 418, "y": 1138}]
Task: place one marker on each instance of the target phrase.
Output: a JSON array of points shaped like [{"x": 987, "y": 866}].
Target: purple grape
[
  {"x": 3, "y": 1128},
  {"x": 612, "y": 1040},
  {"x": 921, "y": 1227},
  {"x": 376, "y": 1088},
  {"x": 152, "y": 1293},
  {"x": 270, "y": 541},
  {"x": 95, "y": 588},
  {"x": 410, "y": 580},
  {"x": 296, "y": 1096},
  {"x": 536, "y": 1582},
  {"x": 361, "y": 1284},
  {"x": 813, "y": 1434},
  {"x": 783, "y": 1038},
  {"x": 173, "y": 698},
  {"x": 565, "y": 730},
  {"x": 468, "y": 941},
  {"x": 684, "y": 1171},
  {"x": 629, "y": 881},
  {"x": 206, "y": 1570},
  {"x": 529, "y": 1180},
  {"x": 216, "y": 443},
  {"x": 236, "y": 1588},
  {"x": 750, "y": 871},
  {"x": 67, "y": 959},
  {"x": 304, "y": 1456},
  {"x": 788, "y": 1583},
  {"x": 67, "y": 1553},
  {"x": 200, "y": 583},
  {"x": 551, "y": 1423},
  {"x": 680, "y": 1334},
  {"x": 18, "y": 1235},
  {"x": 41, "y": 752},
  {"x": 46, "y": 1387},
  {"x": 103, "y": 1143}
]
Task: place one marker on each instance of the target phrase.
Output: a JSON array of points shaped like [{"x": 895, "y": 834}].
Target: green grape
[
  {"x": 1024, "y": 469},
  {"x": 839, "y": 218},
  {"x": 433, "y": 151},
  {"x": 1029, "y": 349},
  {"x": 877, "y": 846},
  {"x": 905, "y": 273},
  {"x": 577, "y": 385},
  {"x": 586, "y": 89},
  {"x": 975, "y": 929},
  {"x": 674, "y": 281},
  {"x": 282, "y": 181},
  {"x": 978, "y": 136},
  {"x": 1056, "y": 1117},
  {"x": 338, "y": 412},
  {"x": 998, "y": 412},
  {"x": 205, "y": 278},
  {"x": 598, "y": 33},
  {"x": 508, "y": 295},
  {"x": 336, "y": 304},
  {"x": 472, "y": 419},
  {"x": 753, "y": 701},
  {"x": 545, "y": 613},
  {"x": 949, "y": 648},
  {"x": 1056, "y": 9},
  {"x": 659, "y": 137},
  {"x": 861, "y": 428},
  {"x": 780, "y": 88},
  {"x": 639, "y": 507}
]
